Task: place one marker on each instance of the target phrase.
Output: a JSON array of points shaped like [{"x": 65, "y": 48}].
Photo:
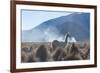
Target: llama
[
  {"x": 28, "y": 55},
  {"x": 68, "y": 39},
  {"x": 41, "y": 53},
  {"x": 85, "y": 51}
]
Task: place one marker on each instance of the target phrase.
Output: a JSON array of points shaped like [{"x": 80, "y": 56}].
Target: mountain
[{"x": 78, "y": 24}]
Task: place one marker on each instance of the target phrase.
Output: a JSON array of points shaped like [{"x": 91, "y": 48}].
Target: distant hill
[{"x": 55, "y": 29}]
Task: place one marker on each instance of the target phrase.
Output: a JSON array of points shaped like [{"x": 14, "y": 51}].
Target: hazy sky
[{"x": 32, "y": 18}]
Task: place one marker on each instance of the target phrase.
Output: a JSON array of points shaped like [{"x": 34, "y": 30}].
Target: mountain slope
[{"x": 55, "y": 29}]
